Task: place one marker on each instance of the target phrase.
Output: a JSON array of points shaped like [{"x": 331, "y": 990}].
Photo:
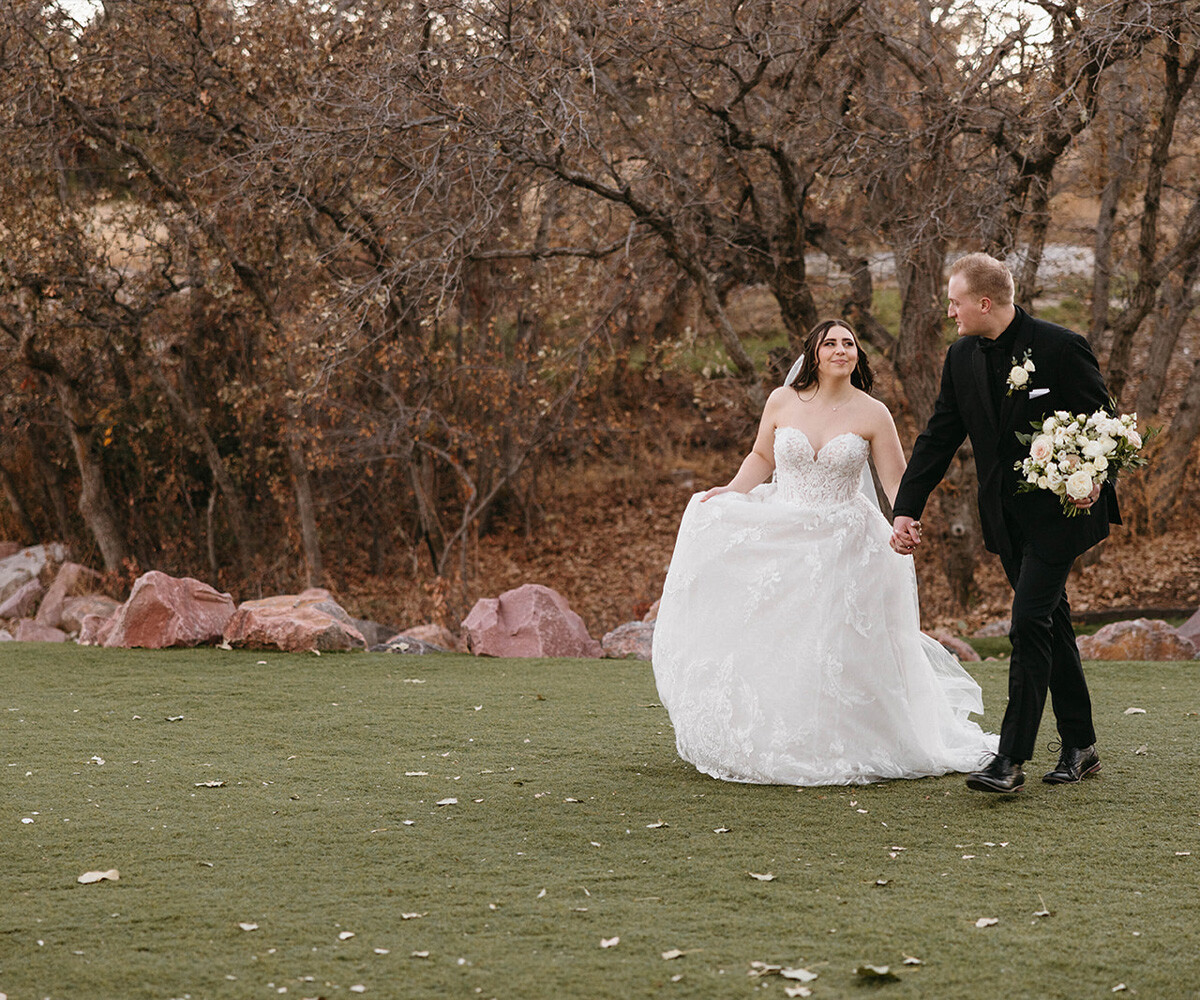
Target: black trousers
[{"x": 1044, "y": 656}]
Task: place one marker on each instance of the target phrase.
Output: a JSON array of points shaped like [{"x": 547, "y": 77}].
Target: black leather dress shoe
[
  {"x": 1074, "y": 764},
  {"x": 1003, "y": 774}
]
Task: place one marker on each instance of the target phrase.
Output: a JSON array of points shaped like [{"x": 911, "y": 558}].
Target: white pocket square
[{"x": 1034, "y": 393}]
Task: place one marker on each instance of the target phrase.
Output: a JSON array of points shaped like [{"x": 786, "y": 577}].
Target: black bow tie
[{"x": 988, "y": 346}]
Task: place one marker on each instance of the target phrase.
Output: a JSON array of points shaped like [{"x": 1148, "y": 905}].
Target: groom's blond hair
[{"x": 986, "y": 277}]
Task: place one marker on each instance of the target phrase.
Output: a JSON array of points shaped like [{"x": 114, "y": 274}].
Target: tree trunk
[
  {"x": 1179, "y": 302},
  {"x": 25, "y": 525},
  {"x": 185, "y": 407},
  {"x": 95, "y": 503},
  {"x": 1176, "y": 452}
]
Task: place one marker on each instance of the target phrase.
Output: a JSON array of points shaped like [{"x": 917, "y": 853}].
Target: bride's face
[{"x": 837, "y": 354}]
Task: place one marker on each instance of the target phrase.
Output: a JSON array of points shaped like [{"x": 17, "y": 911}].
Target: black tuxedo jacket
[{"x": 1065, "y": 377}]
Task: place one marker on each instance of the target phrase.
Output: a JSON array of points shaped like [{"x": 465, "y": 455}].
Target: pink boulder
[
  {"x": 959, "y": 647},
  {"x": 294, "y": 623},
  {"x": 167, "y": 611},
  {"x": 433, "y": 635},
  {"x": 72, "y": 580},
  {"x": 94, "y": 629},
  {"x": 76, "y": 609},
  {"x": 1190, "y": 629},
  {"x": 23, "y": 600},
  {"x": 629, "y": 641},
  {"x": 31, "y": 631},
  {"x": 1139, "y": 639},
  {"x": 531, "y": 620}
]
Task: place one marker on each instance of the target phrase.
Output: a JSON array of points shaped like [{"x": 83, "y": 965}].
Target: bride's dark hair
[{"x": 861, "y": 377}]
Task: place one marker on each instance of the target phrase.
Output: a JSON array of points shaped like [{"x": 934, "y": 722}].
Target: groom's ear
[{"x": 985, "y": 304}]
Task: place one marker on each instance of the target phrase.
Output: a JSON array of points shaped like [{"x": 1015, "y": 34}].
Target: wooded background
[{"x": 297, "y": 292}]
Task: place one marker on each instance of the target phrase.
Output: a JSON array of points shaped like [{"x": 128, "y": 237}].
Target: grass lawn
[{"x": 572, "y": 822}]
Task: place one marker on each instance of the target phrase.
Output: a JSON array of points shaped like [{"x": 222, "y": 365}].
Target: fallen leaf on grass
[
  {"x": 767, "y": 877},
  {"x": 1135, "y": 711},
  {"x": 876, "y": 973},
  {"x": 88, "y": 877},
  {"x": 986, "y": 922},
  {"x": 611, "y": 942}
]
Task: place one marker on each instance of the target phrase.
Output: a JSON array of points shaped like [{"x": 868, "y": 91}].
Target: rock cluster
[{"x": 1139, "y": 639}]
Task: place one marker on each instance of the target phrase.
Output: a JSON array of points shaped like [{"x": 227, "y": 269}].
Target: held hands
[
  {"x": 1087, "y": 501},
  {"x": 906, "y": 535}
]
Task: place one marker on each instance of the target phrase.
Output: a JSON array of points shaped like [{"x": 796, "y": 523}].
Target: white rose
[
  {"x": 1134, "y": 438},
  {"x": 1018, "y": 378},
  {"x": 1042, "y": 448},
  {"x": 1050, "y": 424},
  {"x": 1028, "y": 366},
  {"x": 1043, "y": 482},
  {"x": 1100, "y": 462},
  {"x": 1054, "y": 478},
  {"x": 1081, "y": 440},
  {"x": 1079, "y": 485}
]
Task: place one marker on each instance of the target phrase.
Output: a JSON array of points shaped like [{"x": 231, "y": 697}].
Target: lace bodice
[{"x": 828, "y": 477}]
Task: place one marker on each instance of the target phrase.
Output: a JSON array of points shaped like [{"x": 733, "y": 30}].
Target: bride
[{"x": 788, "y": 647}]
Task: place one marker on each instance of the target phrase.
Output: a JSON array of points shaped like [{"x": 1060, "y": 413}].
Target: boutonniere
[{"x": 1018, "y": 376}]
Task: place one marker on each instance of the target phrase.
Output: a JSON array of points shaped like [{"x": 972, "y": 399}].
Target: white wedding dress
[{"x": 788, "y": 647}]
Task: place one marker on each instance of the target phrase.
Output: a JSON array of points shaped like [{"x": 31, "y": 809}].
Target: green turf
[{"x": 563, "y": 771}]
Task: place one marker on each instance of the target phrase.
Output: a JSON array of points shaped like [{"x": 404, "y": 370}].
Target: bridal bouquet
[{"x": 1069, "y": 454}]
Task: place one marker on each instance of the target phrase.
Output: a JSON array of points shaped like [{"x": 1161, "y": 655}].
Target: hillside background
[{"x": 419, "y": 301}]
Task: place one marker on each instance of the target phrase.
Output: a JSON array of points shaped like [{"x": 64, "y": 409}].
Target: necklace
[{"x": 831, "y": 406}]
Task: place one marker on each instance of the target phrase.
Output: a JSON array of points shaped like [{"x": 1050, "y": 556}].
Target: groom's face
[{"x": 967, "y": 309}]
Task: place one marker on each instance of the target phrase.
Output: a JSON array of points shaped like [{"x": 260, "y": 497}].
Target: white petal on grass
[
  {"x": 174, "y": 718},
  {"x": 656, "y": 826},
  {"x": 1142, "y": 750},
  {"x": 210, "y": 784},
  {"x": 87, "y": 878},
  {"x": 420, "y": 954},
  {"x": 986, "y": 922},
  {"x": 876, "y": 973},
  {"x": 673, "y": 953},
  {"x": 247, "y": 925},
  {"x": 1135, "y": 711},
  {"x": 797, "y": 991},
  {"x": 759, "y": 969},
  {"x": 802, "y": 975},
  {"x": 1183, "y": 854},
  {"x": 95, "y": 760},
  {"x": 542, "y": 894},
  {"x": 611, "y": 942},
  {"x": 447, "y": 802},
  {"x": 912, "y": 960},
  {"x": 721, "y": 829},
  {"x": 415, "y": 774},
  {"x": 1119, "y": 988},
  {"x": 763, "y": 877},
  {"x": 413, "y": 916},
  {"x": 358, "y": 988},
  {"x": 383, "y": 951},
  {"x": 345, "y": 935}
]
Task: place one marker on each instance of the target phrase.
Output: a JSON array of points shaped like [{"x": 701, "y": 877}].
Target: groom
[{"x": 1006, "y": 371}]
